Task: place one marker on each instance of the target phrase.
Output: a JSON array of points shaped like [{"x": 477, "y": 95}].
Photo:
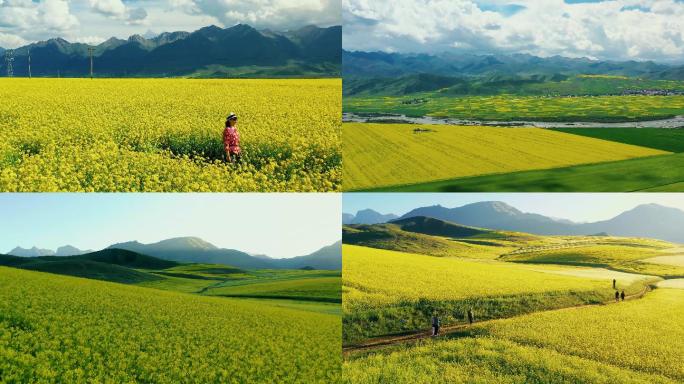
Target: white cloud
[
  {"x": 24, "y": 19},
  {"x": 112, "y": 8},
  {"x": 137, "y": 16},
  {"x": 276, "y": 14},
  {"x": 11, "y": 41},
  {"x": 614, "y": 29},
  {"x": 78, "y": 20}
]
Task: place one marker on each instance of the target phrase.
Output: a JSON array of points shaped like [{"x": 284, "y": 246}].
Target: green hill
[
  {"x": 110, "y": 264},
  {"x": 435, "y": 227},
  {"x": 92, "y": 270}
]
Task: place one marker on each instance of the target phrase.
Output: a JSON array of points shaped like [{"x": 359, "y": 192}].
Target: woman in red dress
[{"x": 231, "y": 140}]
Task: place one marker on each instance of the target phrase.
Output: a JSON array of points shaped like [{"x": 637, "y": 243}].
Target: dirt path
[{"x": 385, "y": 341}]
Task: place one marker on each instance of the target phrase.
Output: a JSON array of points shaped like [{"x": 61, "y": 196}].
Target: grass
[
  {"x": 665, "y": 139},
  {"x": 325, "y": 289},
  {"x": 391, "y": 155},
  {"x": 387, "y": 292},
  {"x": 57, "y": 329},
  {"x": 653, "y": 174}
]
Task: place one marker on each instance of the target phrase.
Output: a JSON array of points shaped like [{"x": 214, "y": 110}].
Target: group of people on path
[
  {"x": 618, "y": 295},
  {"x": 436, "y": 324}
]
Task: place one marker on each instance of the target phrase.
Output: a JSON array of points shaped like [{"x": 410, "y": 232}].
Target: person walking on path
[
  {"x": 617, "y": 296},
  {"x": 622, "y": 295},
  {"x": 471, "y": 318},
  {"x": 614, "y": 283},
  {"x": 435, "y": 325},
  {"x": 231, "y": 140}
]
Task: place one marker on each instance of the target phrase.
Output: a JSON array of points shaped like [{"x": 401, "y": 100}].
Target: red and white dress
[{"x": 231, "y": 140}]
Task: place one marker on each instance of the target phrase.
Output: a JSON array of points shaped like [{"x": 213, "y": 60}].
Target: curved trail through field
[{"x": 386, "y": 341}]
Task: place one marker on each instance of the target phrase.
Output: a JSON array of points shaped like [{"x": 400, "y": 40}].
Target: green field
[
  {"x": 577, "y": 98},
  {"x": 665, "y": 139},
  {"x": 58, "y": 329},
  {"x": 394, "y": 155},
  {"x": 524, "y": 108},
  {"x": 663, "y": 173}
]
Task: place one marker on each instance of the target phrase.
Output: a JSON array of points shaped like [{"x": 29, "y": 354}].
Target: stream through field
[{"x": 674, "y": 122}]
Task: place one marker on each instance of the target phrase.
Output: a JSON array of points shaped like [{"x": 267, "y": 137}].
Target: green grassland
[
  {"x": 634, "y": 342},
  {"x": 59, "y": 329},
  {"x": 394, "y": 155},
  {"x": 665, "y": 139},
  {"x": 663, "y": 173}
]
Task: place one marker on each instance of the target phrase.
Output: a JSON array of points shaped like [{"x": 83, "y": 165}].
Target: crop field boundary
[
  {"x": 412, "y": 337},
  {"x": 529, "y": 180}
]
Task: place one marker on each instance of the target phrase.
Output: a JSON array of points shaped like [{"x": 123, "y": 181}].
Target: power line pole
[
  {"x": 29, "y": 63},
  {"x": 9, "y": 59},
  {"x": 90, "y": 51}
]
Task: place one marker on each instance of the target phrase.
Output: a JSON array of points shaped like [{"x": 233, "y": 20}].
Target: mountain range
[
  {"x": 66, "y": 250},
  {"x": 648, "y": 220},
  {"x": 238, "y": 51},
  {"x": 392, "y": 65},
  {"x": 367, "y": 216},
  {"x": 196, "y": 250}
]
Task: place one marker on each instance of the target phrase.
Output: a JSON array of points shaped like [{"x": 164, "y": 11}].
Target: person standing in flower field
[{"x": 231, "y": 140}]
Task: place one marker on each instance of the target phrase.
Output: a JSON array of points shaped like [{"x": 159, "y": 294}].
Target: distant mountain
[
  {"x": 329, "y": 257},
  {"x": 238, "y": 51},
  {"x": 675, "y": 73},
  {"x": 367, "y": 216},
  {"x": 69, "y": 250},
  {"x": 33, "y": 252},
  {"x": 393, "y": 65},
  {"x": 347, "y": 218},
  {"x": 196, "y": 250},
  {"x": 650, "y": 220}
]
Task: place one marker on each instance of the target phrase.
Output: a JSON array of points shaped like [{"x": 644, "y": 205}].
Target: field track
[{"x": 387, "y": 341}]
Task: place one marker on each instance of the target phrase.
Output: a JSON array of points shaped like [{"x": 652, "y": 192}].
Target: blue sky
[
  {"x": 279, "y": 225},
  {"x": 580, "y": 207},
  {"x": 598, "y": 29},
  {"x": 93, "y": 21}
]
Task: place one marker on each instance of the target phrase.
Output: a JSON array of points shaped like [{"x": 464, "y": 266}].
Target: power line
[
  {"x": 9, "y": 60},
  {"x": 90, "y": 51}
]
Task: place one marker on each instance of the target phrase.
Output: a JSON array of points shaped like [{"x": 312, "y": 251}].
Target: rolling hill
[
  {"x": 169, "y": 252},
  {"x": 238, "y": 51},
  {"x": 110, "y": 264}
]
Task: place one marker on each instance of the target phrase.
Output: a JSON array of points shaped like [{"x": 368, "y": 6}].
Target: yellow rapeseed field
[
  {"x": 380, "y": 155},
  {"x": 376, "y": 278},
  {"x": 632, "y": 342},
  {"x": 59, "y": 329},
  {"x": 166, "y": 135}
]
